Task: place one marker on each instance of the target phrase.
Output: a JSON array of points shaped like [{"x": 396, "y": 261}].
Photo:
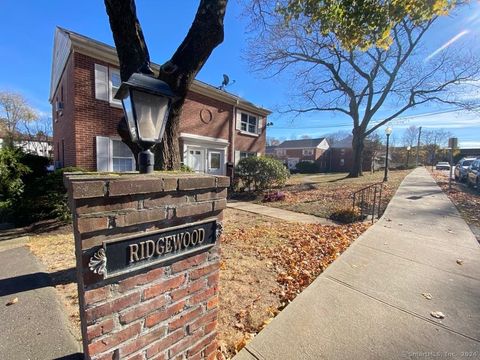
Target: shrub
[
  {"x": 346, "y": 215},
  {"x": 261, "y": 173},
  {"x": 186, "y": 168},
  {"x": 307, "y": 167}
]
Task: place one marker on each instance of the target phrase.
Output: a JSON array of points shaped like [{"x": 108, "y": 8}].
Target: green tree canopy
[{"x": 362, "y": 24}]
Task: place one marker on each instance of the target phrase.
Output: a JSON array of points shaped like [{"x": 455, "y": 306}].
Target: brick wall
[
  {"x": 63, "y": 124},
  {"x": 251, "y": 143},
  {"x": 90, "y": 117},
  {"x": 161, "y": 312}
]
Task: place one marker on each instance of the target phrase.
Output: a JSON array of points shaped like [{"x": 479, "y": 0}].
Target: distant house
[
  {"x": 37, "y": 145},
  {"x": 270, "y": 150},
  {"x": 291, "y": 152},
  {"x": 341, "y": 159}
]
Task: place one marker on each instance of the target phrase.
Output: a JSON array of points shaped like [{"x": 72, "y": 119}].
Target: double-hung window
[
  {"x": 114, "y": 84},
  {"x": 122, "y": 158},
  {"x": 307, "y": 152},
  {"x": 249, "y": 123},
  {"x": 246, "y": 154},
  {"x": 113, "y": 155}
]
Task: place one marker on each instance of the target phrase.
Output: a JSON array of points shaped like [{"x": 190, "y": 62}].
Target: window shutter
[
  {"x": 103, "y": 153},
  {"x": 237, "y": 157},
  {"x": 101, "y": 82},
  {"x": 238, "y": 123},
  {"x": 260, "y": 125}
]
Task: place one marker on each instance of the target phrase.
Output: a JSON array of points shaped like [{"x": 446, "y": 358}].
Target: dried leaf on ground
[
  {"x": 12, "y": 301},
  {"x": 427, "y": 296},
  {"x": 437, "y": 314}
]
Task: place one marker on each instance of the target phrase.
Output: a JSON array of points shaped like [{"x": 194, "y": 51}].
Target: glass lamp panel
[
  {"x": 129, "y": 114},
  {"x": 151, "y": 113}
]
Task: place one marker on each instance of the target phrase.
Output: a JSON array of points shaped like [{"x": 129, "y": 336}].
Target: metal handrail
[{"x": 369, "y": 201}]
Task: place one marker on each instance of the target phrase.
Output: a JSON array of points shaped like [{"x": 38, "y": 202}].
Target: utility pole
[{"x": 418, "y": 144}]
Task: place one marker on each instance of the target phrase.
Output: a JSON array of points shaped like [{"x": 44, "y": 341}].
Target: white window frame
[
  {"x": 120, "y": 157},
  {"x": 246, "y": 154},
  {"x": 308, "y": 152},
  {"x": 247, "y": 123},
  {"x": 108, "y": 155},
  {"x": 281, "y": 152},
  {"x": 112, "y": 100}
]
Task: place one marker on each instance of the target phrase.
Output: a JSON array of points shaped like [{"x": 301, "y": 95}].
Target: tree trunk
[
  {"x": 167, "y": 153},
  {"x": 205, "y": 34},
  {"x": 357, "y": 153}
]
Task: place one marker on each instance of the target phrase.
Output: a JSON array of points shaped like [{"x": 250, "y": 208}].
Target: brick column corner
[{"x": 148, "y": 311}]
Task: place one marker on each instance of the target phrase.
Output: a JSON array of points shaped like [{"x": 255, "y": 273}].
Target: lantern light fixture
[{"x": 146, "y": 103}]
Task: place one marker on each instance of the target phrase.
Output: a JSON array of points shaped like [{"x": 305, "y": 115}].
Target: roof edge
[{"x": 105, "y": 52}]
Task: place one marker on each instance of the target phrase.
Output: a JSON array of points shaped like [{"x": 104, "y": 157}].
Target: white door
[
  {"x": 196, "y": 159},
  {"x": 215, "y": 162}
]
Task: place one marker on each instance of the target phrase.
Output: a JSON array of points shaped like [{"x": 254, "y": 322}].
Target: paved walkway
[
  {"x": 369, "y": 305},
  {"x": 277, "y": 213},
  {"x": 35, "y": 327}
]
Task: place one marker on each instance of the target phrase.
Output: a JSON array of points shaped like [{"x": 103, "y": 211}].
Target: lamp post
[
  {"x": 146, "y": 103},
  {"x": 388, "y": 132},
  {"x": 408, "y": 154}
]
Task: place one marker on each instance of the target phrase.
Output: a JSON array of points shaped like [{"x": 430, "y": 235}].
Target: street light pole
[
  {"x": 408, "y": 155},
  {"x": 388, "y": 132}
]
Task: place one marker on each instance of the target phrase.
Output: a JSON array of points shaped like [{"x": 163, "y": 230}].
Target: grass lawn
[
  {"x": 265, "y": 264},
  {"x": 322, "y": 194}
]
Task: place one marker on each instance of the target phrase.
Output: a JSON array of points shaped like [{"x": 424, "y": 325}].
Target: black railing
[{"x": 367, "y": 202}]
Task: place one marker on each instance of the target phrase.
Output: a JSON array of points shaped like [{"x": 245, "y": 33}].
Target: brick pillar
[{"x": 147, "y": 301}]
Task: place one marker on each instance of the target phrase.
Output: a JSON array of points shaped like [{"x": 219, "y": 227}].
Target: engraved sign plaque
[{"x": 123, "y": 255}]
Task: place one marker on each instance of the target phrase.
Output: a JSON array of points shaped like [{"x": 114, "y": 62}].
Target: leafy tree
[
  {"x": 338, "y": 72},
  {"x": 361, "y": 24},
  {"x": 14, "y": 110},
  {"x": 11, "y": 172},
  {"x": 206, "y": 33}
]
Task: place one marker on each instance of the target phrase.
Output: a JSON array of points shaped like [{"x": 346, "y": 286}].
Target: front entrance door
[
  {"x": 196, "y": 159},
  {"x": 215, "y": 162}
]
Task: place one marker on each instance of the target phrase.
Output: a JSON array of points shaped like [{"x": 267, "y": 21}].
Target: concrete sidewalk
[
  {"x": 277, "y": 213},
  {"x": 35, "y": 327},
  {"x": 369, "y": 305}
]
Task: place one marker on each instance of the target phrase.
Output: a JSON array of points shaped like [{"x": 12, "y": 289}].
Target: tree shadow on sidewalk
[{"x": 36, "y": 280}]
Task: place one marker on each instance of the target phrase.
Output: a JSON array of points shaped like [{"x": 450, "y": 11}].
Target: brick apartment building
[
  {"x": 216, "y": 128},
  {"x": 294, "y": 151}
]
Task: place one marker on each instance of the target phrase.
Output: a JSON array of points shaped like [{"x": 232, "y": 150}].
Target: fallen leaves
[
  {"x": 465, "y": 199},
  {"x": 327, "y": 193},
  {"x": 294, "y": 254},
  {"x": 427, "y": 296},
  {"x": 12, "y": 301},
  {"x": 437, "y": 314}
]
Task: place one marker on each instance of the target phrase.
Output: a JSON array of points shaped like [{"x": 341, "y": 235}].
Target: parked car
[
  {"x": 442, "y": 165},
  {"x": 473, "y": 174},
  {"x": 461, "y": 168}
]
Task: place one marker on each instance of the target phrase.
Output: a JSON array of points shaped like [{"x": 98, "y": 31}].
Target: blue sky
[{"x": 27, "y": 39}]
